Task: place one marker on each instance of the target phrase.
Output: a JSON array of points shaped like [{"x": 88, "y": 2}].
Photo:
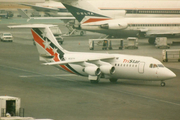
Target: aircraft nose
[{"x": 166, "y": 74}]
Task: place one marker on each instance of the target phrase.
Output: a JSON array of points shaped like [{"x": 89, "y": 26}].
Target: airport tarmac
[{"x": 46, "y": 92}]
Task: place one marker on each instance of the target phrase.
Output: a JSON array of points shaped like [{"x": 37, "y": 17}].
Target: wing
[
  {"x": 109, "y": 57},
  {"x": 24, "y": 15},
  {"x": 58, "y": 18},
  {"x": 39, "y": 8}
]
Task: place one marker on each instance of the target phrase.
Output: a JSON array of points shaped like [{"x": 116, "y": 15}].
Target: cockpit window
[
  {"x": 160, "y": 65},
  {"x": 155, "y": 65}
]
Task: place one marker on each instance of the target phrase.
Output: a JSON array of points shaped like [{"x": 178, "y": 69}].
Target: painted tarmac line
[
  {"x": 61, "y": 75},
  {"x": 39, "y": 74}
]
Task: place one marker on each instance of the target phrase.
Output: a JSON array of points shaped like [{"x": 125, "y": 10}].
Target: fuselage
[
  {"x": 130, "y": 26},
  {"x": 126, "y": 67}
]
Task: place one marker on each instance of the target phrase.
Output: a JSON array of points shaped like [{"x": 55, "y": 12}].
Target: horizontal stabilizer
[
  {"x": 39, "y": 8},
  {"x": 53, "y": 18}
]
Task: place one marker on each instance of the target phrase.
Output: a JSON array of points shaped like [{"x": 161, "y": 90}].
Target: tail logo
[
  {"x": 48, "y": 46},
  {"x": 81, "y": 13}
]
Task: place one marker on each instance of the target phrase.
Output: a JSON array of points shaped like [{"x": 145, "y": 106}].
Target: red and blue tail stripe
[{"x": 58, "y": 56}]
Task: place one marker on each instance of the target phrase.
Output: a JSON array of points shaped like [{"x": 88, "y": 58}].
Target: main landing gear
[
  {"x": 163, "y": 84},
  {"x": 151, "y": 40},
  {"x": 94, "y": 81}
]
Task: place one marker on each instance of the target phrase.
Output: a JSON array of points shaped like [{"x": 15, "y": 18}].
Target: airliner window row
[
  {"x": 159, "y": 11},
  {"x": 126, "y": 65},
  {"x": 152, "y": 25}
]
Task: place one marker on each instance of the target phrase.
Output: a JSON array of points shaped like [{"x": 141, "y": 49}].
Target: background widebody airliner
[
  {"x": 117, "y": 7},
  {"x": 96, "y": 65},
  {"x": 93, "y": 19}
]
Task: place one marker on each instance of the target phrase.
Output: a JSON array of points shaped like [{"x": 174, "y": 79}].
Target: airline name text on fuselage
[
  {"x": 130, "y": 61},
  {"x": 84, "y": 13}
]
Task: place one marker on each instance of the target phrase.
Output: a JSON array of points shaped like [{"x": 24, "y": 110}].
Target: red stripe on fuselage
[
  {"x": 96, "y": 20},
  {"x": 39, "y": 40}
]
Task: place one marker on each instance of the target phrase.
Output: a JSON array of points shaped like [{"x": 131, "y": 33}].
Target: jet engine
[
  {"x": 107, "y": 69},
  {"x": 114, "y": 26},
  {"x": 92, "y": 70}
]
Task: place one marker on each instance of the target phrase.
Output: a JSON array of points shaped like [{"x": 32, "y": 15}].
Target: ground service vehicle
[{"x": 6, "y": 37}]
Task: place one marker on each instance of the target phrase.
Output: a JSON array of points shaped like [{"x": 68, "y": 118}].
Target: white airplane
[
  {"x": 117, "y": 7},
  {"x": 96, "y": 65},
  {"x": 93, "y": 19}
]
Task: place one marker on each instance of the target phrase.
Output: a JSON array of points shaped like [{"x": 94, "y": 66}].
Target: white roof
[
  {"x": 32, "y": 26},
  {"x": 9, "y": 98}
]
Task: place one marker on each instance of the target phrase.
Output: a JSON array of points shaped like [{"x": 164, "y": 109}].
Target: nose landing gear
[{"x": 163, "y": 84}]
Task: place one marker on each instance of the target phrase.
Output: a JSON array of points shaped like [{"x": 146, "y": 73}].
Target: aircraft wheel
[
  {"x": 81, "y": 33},
  {"x": 113, "y": 80},
  {"x": 163, "y": 84},
  {"x": 151, "y": 40}
]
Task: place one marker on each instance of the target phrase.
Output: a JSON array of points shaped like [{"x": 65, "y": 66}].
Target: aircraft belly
[{"x": 126, "y": 73}]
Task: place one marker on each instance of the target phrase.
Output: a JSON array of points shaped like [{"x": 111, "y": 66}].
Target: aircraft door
[
  {"x": 11, "y": 107},
  {"x": 141, "y": 67}
]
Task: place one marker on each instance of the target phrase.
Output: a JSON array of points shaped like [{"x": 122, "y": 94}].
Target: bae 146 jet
[{"x": 96, "y": 65}]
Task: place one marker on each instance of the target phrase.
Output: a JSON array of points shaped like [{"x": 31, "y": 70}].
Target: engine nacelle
[
  {"x": 92, "y": 70},
  {"x": 114, "y": 26},
  {"x": 107, "y": 69}
]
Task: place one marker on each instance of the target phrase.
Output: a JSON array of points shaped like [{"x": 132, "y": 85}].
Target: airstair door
[{"x": 141, "y": 67}]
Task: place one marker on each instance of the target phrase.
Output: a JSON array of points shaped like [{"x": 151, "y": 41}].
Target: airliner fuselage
[
  {"x": 126, "y": 66},
  {"x": 126, "y": 27}
]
